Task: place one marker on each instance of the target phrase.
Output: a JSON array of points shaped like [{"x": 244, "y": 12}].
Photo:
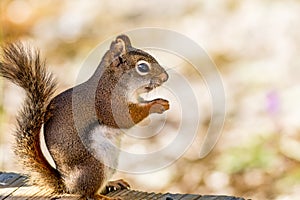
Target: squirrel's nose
[
  {"x": 158, "y": 80},
  {"x": 163, "y": 77}
]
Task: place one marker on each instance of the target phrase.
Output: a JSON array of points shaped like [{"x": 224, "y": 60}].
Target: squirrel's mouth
[
  {"x": 142, "y": 93},
  {"x": 145, "y": 90},
  {"x": 139, "y": 93}
]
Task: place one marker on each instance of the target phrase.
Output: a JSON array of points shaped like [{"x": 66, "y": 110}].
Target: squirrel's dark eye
[{"x": 142, "y": 67}]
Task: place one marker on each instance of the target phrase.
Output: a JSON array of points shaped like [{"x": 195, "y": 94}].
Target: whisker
[{"x": 170, "y": 68}]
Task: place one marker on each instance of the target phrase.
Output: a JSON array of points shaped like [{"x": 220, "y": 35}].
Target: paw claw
[{"x": 117, "y": 185}]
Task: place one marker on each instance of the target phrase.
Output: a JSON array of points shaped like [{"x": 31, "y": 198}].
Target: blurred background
[{"x": 255, "y": 45}]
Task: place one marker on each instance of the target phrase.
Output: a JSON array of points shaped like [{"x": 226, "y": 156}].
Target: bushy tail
[{"x": 23, "y": 66}]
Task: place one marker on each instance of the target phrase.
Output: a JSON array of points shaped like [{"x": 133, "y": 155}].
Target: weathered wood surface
[{"x": 13, "y": 187}]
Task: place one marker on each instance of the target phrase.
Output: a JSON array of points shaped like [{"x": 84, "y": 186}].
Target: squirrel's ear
[{"x": 120, "y": 45}]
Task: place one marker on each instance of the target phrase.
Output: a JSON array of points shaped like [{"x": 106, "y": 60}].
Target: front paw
[{"x": 159, "y": 106}]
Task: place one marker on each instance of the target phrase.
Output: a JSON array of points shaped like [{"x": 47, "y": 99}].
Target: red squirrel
[{"x": 105, "y": 104}]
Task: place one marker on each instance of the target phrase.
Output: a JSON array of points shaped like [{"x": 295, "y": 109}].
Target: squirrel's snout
[
  {"x": 163, "y": 77},
  {"x": 158, "y": 80}
]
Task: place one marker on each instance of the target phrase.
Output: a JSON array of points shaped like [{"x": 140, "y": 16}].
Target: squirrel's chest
[{"x": 105, "y": 145}]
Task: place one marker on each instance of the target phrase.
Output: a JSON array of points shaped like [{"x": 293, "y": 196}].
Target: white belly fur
[{"x": 105, "y": 147}]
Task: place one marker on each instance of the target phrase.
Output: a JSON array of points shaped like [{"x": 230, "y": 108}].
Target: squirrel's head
[
  {"x": 123, "y": 75},
  {"x": 136, "y": 70}
]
